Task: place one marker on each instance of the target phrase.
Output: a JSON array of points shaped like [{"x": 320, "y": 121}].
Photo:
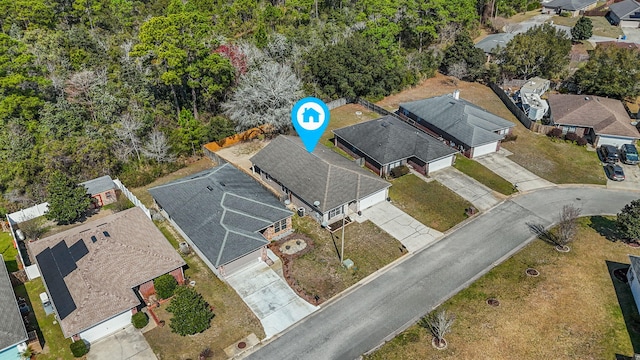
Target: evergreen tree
[
  {"x": 582, "y": 30},
  {"x": 611, "y": 71},
  {"x": 191, "y": 313},
  {"x": 463, "y": 51},
  {"x": 628, "y": 221},
  {"x": 67, "y": 200}
]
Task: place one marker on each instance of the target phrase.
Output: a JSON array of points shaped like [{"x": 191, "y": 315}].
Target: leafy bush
[
  {"x": 191, "y": 313},
  {"x": 571, "y": 137},
  {"x": 582, "y": 141},
  {"x": 165, "y": 285},
  {"x": 78, "y": 348},
  {"x": 565, "y": 14},
  {"x": 534, "y": 5},
  {"x": 396, "y": 172},
  {"x": 510, "y": 137},
  {"x": 139, "y": 320},
  {"x": 555, "y": 133}
]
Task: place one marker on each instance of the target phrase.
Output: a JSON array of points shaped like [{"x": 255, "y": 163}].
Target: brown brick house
[{"x": 102, "y": 191}]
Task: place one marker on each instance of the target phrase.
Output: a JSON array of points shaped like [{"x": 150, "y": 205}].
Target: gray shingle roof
[
  {"x": 461, "y": 119},
  {"x": 569, "y": 5},
  {"x": 99, "y": 185},
  {"x": 491, "y": 42},
  {"x": 12, "y": 330},
  {"x": 388, "y": 140},
  {"x": 635, "y": 263},
  {"x": 222, "y": 210},
  {"x": 625, "y": 9},
  {"x": 319, "y": 176}
]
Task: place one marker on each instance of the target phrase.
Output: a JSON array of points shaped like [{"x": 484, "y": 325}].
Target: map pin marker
[{"x": 310, "y": 116}]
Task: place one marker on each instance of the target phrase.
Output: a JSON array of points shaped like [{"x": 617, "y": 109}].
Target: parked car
[
  {"x": 614, "y": 172},
  {"x": 629, "y": 154},
  {"x": 609, "y": 153}
]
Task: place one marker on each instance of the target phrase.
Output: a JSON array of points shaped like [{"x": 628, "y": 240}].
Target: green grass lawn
[
  {"x": 483, "y": 175},
  {"x": 430, "y": 203},
  {"x": 346, "y": 115},
  {"x": 575, "y": 308},
  {"x": 8, "y": 252},
  {"x": 601, "y": 26}
]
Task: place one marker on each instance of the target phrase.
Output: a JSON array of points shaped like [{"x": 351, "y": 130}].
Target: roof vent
[
  {"x": 106, "y": 233},
  {"x": 456, "y": 94},
  {"x": 209, "y": 188},
  {"x": 586, "y": 98},
  {"x": 316, "y": 203},
  {"x": 223, "y": 184},
  {"x": 94, "y": 239}
]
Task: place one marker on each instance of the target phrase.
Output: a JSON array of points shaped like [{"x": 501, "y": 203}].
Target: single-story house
[
  {"x": 388, "y": 142},
  {"x": 323, "y": 184},
  {"x": 602, "y": 121},
  {"x": 625, "y": 13},
  {"x": 491, "y": 42},
  {"x": 620, "y": 44},
  {"x": 226, "y": 216},
  {"x": 633, "y": 277},
  {"x": 102, "y": 191},
  {"x": 461, "y": 124},
  {"x": 96, "y": 273},
  {"x": 574, "y": 7},
  {"x": 13, "y": 334}
]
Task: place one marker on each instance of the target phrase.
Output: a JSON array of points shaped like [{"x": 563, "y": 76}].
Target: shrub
[
  {"x": 534, "y": 5},
  {"x": 191, "y": 313},
  {"x": 571, "y": 137},
  {"x": 78, "y": 348},
  {"x": 555, "y": 133},
  {"x": 165, "y": 285},
  {"x": 510, "y": 137},
  {"x": 396, "y": 172},
  {"x": 139, "y": 320},
  {"x": 582, "y": 141}
]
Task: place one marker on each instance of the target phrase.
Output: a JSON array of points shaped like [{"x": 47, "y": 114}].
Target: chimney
[{"x": 456, "y": 94}]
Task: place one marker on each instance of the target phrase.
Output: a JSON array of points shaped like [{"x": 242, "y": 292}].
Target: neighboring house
[
  {"x": 225, "y": 215},
  {"x": 13, "y": 335},
  {"x": 96, "y": 273},
  {"x": 491, "y": 43},
  {"x": 102, "y": 191},
  {"x": 463, "y": 125},
  {"x": 536, "y": 85},
  {"x": 625, "y": 13},
  {"x": 323, "y": 183},
  {"x": 574, "y": 7},
  {"x": 530, "y": 98},
  {"x": 602, "y": 121},
  {"x": 387, "y": 142},
  {"x": 633, "y": 277},
  {"x": 620, "y": 44}
]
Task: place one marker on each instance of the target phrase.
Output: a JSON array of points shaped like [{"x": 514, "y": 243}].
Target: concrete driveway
[
  {"x": 524, "y": 179},
  {"x": 275, "y": 304},
  {"x": 126, "y": 344},
  {"x": 633, "y": 35},
  {"x": 409, "y": 231},
  {"x": 631, "y": 181},
  {"x": 468, "y": 188}
]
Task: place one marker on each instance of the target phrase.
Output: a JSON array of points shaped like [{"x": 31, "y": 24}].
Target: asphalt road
[{"x": 375, "y": 311}]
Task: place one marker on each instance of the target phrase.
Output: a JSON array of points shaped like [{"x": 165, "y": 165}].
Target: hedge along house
[
  {"x": 226, "y": 216},
  {"x": 387, "y": 142},
  {"x": 100, "y": 273},
  {"x": 13, "y": 335},
  {"x": 459, "y": 123},
  {"x": 602, "y": 121},
  {"x": 102, "y": 191},
  {"x": 323, "y": 184}
]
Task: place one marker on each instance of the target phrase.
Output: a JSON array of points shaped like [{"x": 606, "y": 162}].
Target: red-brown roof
[{"x": 620, "y": 44}]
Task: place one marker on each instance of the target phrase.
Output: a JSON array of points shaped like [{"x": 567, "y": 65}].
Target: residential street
[{"x": 375, "y": 311}]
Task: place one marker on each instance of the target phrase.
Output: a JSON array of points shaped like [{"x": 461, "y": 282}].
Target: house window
[
  {"x": 335, "y": 212},
  {"x": 571, "y": 129},
  {"x": 280, "y": 225},
  {"x": 109, "y": 196}
]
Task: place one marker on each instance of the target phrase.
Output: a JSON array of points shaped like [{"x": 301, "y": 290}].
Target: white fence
[
  {"x": 337, "y": 103},
  {"x": 132, "y": 197},
  {"x": 28, "y": 213}
]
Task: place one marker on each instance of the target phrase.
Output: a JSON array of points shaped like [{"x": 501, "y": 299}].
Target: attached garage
[
  {"x": 629, "y": 24},
  {"x": 107, "y": 327},
  {"x": 441, "y": 163},
  {"x": 616, "y": 141},
  {"x": 373, "y": 199},
  {"x": 485, "y": 149}
]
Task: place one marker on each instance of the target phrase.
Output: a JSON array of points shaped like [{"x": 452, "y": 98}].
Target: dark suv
[
  {"x": 629, "y": 154},
  {"x": 609, "y": 153}
]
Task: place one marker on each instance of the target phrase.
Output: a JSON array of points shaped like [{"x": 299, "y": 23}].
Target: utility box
[{"x": 348, "y": 263}]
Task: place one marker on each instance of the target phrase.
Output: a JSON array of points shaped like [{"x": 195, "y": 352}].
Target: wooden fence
[
  {"x": 541, "y": 129},
  {"x": 515, "y": 110}
]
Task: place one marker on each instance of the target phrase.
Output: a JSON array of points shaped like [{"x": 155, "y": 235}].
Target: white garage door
[
  {"x": 485, "y": 149},
  {"x": 440, "y": 164},
  {"x": 106, "y": 328},
  {"x": 615, "y": 141},
  {"x": 373, "y": 199},
  {"x": 629, "y": 24}
]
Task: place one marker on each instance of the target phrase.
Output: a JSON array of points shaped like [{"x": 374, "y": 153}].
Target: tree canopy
[
  {"x": 628, "y": 221},
  {"x": 582, "y": 30},
  {"x": 610, "y": 71},
  {"x": 67, "y": 200}
]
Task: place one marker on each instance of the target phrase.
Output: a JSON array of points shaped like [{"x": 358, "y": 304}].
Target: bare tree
[
  {"x": 127, "y": 132},
  {"x": 568, "y": 224},
  {"x": 459, "y": 71},
  {"x": 82, "y": 88},
  {"x": 439, "y": 324},
  {"x": 157, "y": 148}
]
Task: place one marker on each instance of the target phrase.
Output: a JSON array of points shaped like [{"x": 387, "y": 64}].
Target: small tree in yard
[
  {"x": 165, "y": 285},
  {"x": 139, "y": 320},
  {"x": 582, "y": 30},
  {"x": 67, "y": 200},
  {"x": 439, "y": 324},
  {"x": 191, "y": 313},
  {"x": 628, "y": 221},
  {"x": 568, "y": 225},
  {"x": 78, "y": 348}
]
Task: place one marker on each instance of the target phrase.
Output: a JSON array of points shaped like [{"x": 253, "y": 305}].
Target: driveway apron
[
  {"x": 275, "y": 304},
  {"x": 468, "y": 188},
  {"x": 522, "y": 178},
  {"x": 126, "y": 344}
]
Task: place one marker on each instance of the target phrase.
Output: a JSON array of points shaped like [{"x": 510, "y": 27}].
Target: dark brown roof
[
  {"x": 606, "y": 116},
  {"x": 620, "y": 44}
]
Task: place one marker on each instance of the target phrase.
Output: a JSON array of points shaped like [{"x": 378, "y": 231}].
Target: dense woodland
[{"x": 130, "y": 88}]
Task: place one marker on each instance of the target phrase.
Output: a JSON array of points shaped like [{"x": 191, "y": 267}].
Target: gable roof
[
  {"x": 606, "y": 116},
  {"x": 491, "y": 42},
  {"x": 90, "y": 270},
  {"x": 12, "y": 330},
  {"x": 222, "y": 210},
  {"x": 628, "y": 10},
  {"x": 461, "y": 119},
  {"x": 569, "y": 5},
  {"x": 322, "y": 176},
  {"x": 388, "y": 139},
  {"x": 99, "y": 185}
]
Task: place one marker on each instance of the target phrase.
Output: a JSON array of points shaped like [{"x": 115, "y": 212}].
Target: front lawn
[
  {"x": 430, "y": 203},
  {"x": 233, "y": 319},
  {"x": 319, "y": 271},
  {"x": 483, "y": 175},
  {"x": 8, "y": 251},
  {"x": 575, "y": 308},
  {"x": 601, "y": 26}
]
